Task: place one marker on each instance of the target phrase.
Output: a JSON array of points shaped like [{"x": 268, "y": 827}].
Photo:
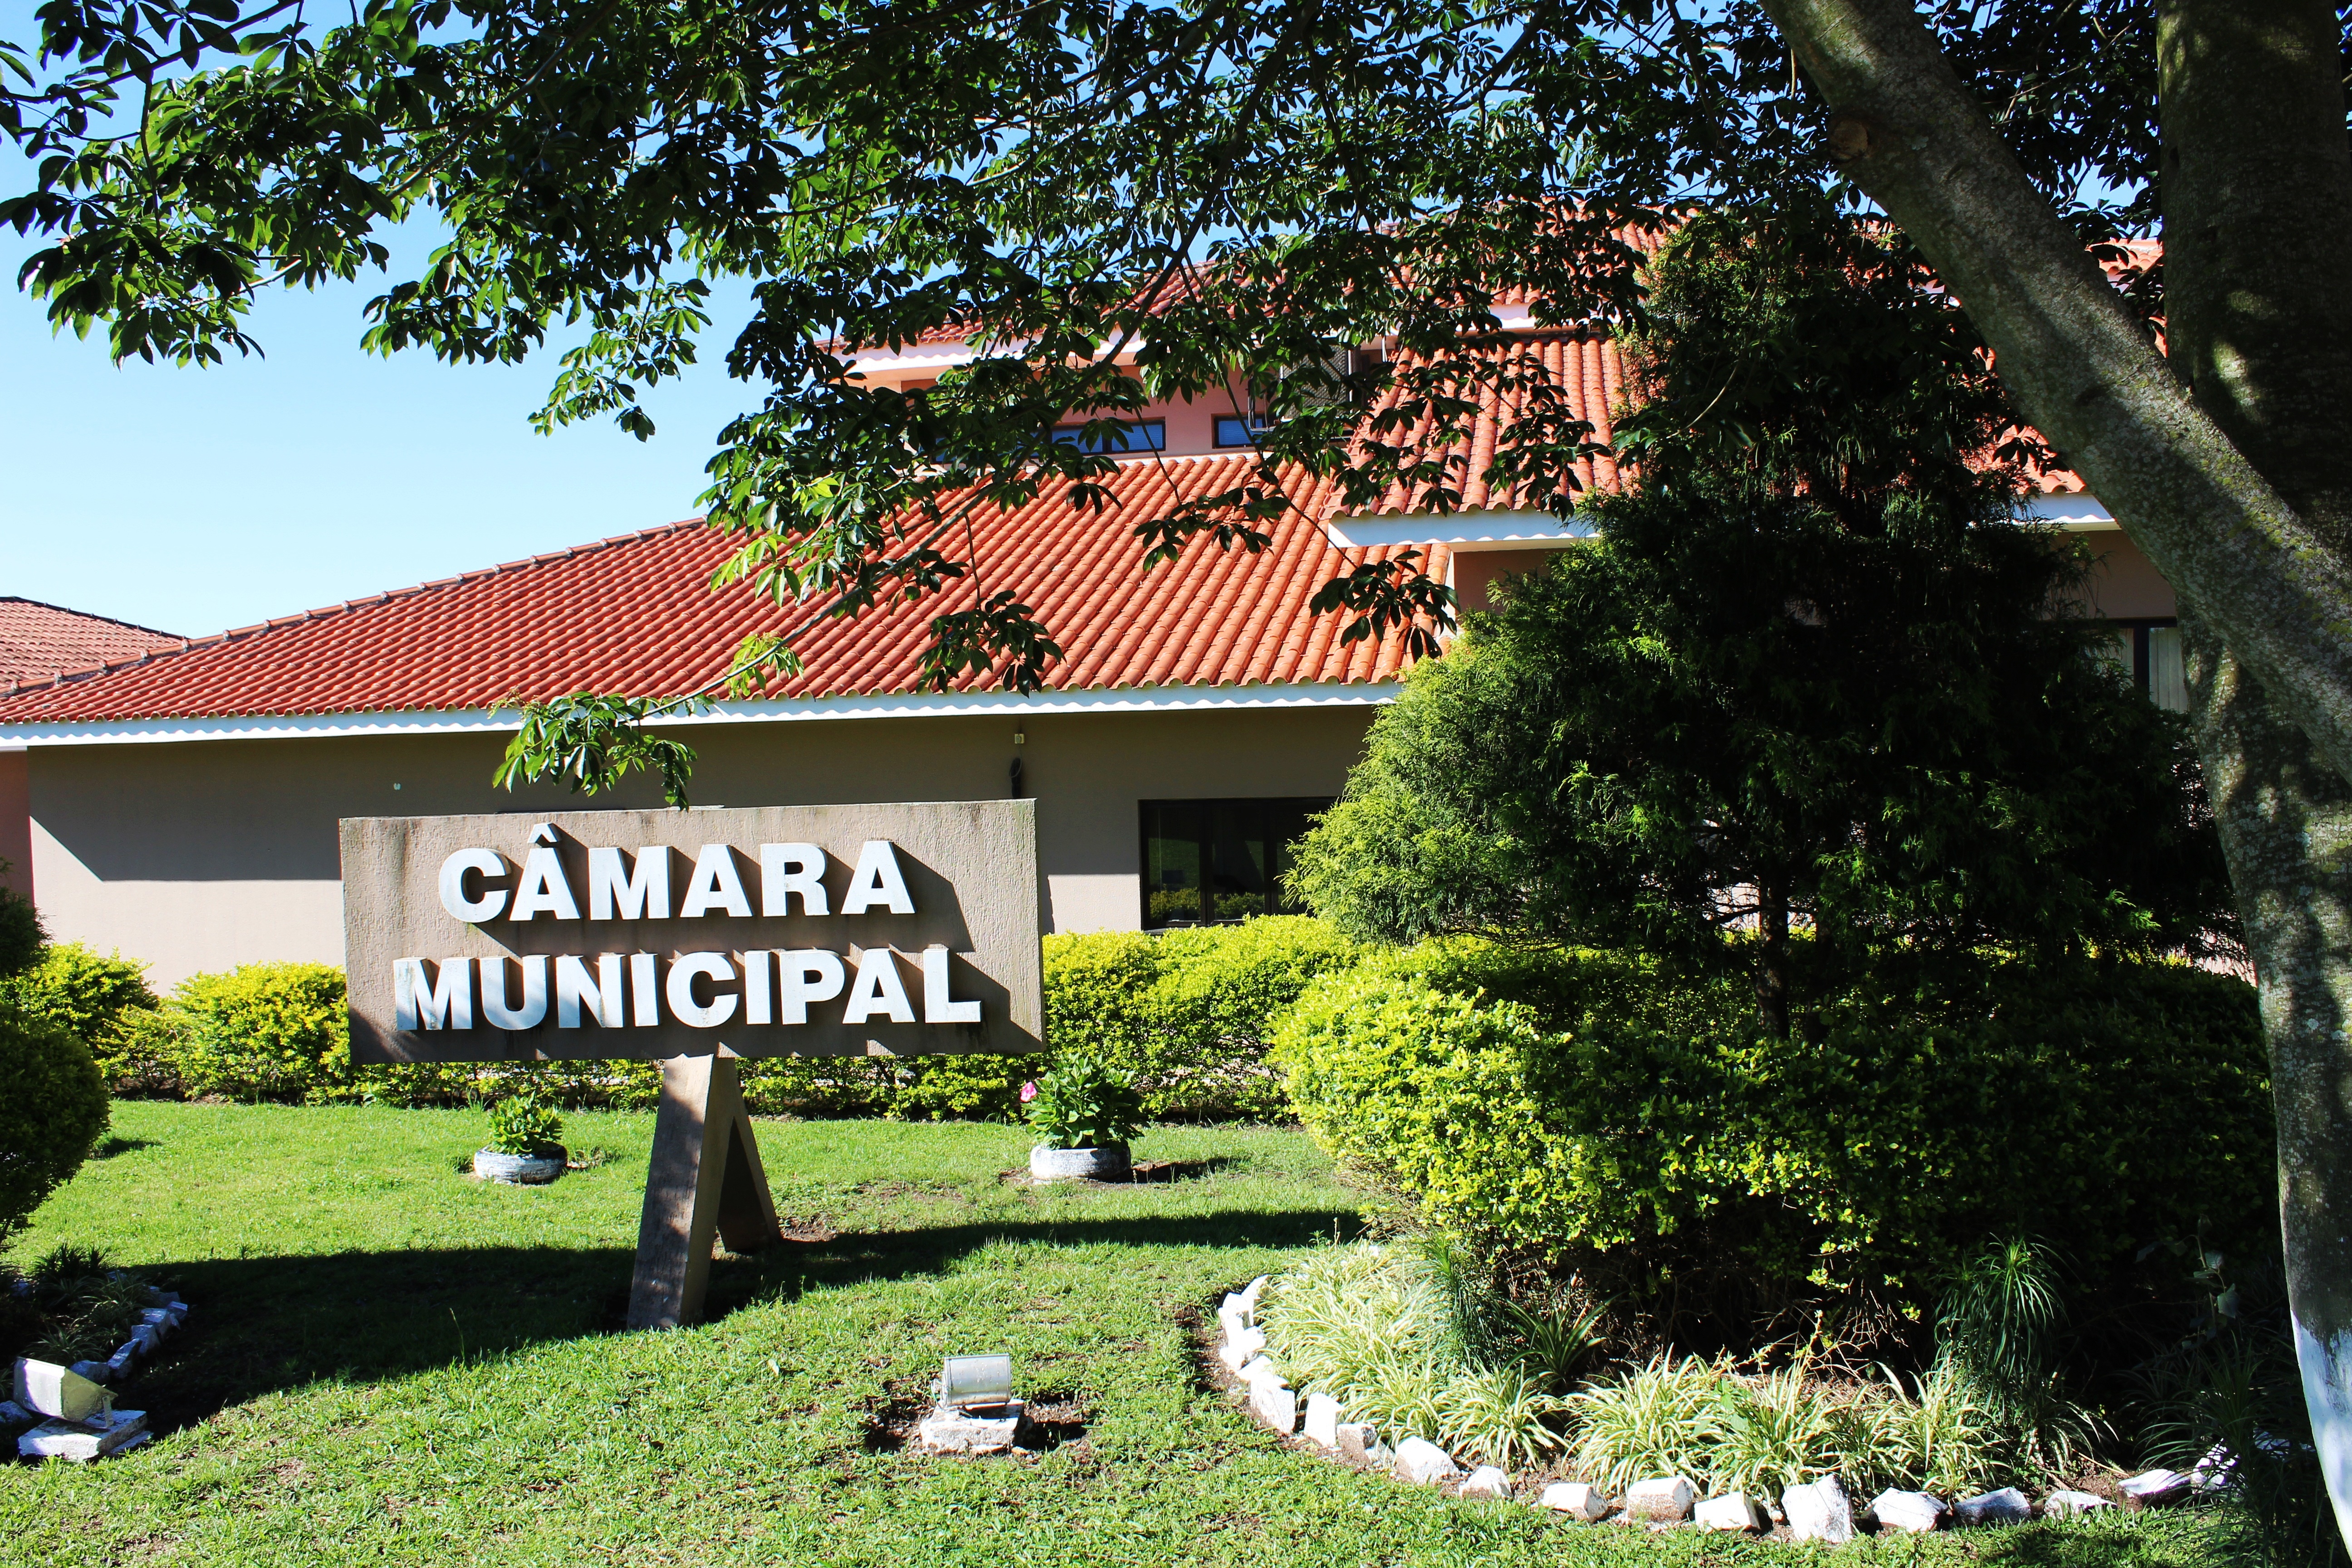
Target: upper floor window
[
  {"x": 1234, "y": 430},
  {"x": 1140, "y": 435}
]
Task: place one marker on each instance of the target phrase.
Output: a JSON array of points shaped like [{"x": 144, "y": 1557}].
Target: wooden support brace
[{"x": 704, "y": 1179}]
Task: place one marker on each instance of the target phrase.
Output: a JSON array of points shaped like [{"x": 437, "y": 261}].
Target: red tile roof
[
  {"x": 636, "y": 615},
  {"x": 1589, "y": 368},
  {"x": 38, "y": 641}
]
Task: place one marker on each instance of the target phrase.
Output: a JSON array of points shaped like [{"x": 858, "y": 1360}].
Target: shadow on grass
[
  {"x": 107, "y": 1148},
  {"x": 263, "y": 1324}
]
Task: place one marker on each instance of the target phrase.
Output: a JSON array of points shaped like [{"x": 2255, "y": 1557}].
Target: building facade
[{"x": 177, "y": 799}]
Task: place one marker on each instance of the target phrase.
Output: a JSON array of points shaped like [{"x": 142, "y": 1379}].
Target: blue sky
[{"x": 193, "y": 500}]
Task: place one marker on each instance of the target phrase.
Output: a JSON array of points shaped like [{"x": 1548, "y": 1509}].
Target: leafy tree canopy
[
  {"x": 1231, "y": 188},
  {"x": 1234, "y": 187},
  {"x": 1811, "y": 670}
]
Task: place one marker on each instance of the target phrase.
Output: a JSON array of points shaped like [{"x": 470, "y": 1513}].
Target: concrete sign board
[{"x": 771, "y": 931}]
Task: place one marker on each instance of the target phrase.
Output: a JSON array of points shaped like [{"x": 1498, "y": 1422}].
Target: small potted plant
[
  {"x": 1083, "y": 1113},
  {"x": 524, "y": 1147}
]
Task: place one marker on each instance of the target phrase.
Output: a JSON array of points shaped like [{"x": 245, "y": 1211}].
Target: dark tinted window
[
  {"x": 1147, "y": 436},
  {"x": 1233, "y": 430},
  {"x": 1206, "y": 860}
]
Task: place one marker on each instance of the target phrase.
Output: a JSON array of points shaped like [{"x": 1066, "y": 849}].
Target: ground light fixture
[{"x": 976, "y": 1384}]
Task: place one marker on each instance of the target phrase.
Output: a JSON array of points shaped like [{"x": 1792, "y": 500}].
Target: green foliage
[
  {"x": 104, "y": 1000},
  {"x": 22, "y": 934},
  {"x": 627, "y": 1085},
  {"x": 1187, "y": 1012},
  {"x": 936, "y": 1088},
  {"x": 525, "y": 1124},
  {"x": 1767, "y": 1434},
  {"x": 1651, "y": 1422},
  {"x": 1559, "y": 1342},
  {"x": 1940, "y": 1430},
  {"x": 1639, "y": 1124},
  {"x": 141, "y": 1057},
  {"x": 1500, "y": 1414},
  {"x": 76, "y": 1307},
  {"x": 1184, "y": 1015},
  {"x": 591, "y": 743},
  {"x": 53, "y": 1107},
  {"x": 1811, "y": 673},
  {"x": 1081, "y": 1103},
  {"x": 1998, "y": 1326},
  {"x": 266, "y": 1031},
  {"x": 2228, "y": 1397},
  {"x": 1416, "y": 1337},
  {"x": 1404, "y": 1335}
]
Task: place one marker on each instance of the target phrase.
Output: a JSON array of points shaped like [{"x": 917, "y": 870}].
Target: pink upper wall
[{"x": 16, "y": 822}]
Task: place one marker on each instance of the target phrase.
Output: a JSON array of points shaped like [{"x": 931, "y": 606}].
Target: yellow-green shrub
[
  {"x": 1187, "y": 1012},
  {"x": 573, "y": 1084},
  {"x": 139, "y": 1055},
  {"x": 266, "y": 1031},
  {"x": 102, "y": 999},
  {"x": 1613, "y": 1113}
]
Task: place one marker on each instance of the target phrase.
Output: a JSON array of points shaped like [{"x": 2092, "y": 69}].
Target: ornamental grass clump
[
  {"x": 73, "y": 1305},
  {"x": 1651, "y": 1422},
  {"x": 1416, "y": 1338},
  {"x": 1940, "y": 1431},
  {"x": 1410, "y": 1337}
]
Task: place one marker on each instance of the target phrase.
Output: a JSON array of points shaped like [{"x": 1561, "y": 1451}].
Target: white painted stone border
[{"x": 1253, "y": 1379}]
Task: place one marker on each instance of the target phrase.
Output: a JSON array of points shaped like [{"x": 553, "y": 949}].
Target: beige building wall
[
  {"x": 196, "y": 855},
  {"x": 2125, "y": 584}
]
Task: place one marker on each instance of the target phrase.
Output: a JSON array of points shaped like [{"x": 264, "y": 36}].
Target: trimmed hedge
[
  {"x": 1187, "y": 1014},
  {"x": 266, "y": 1031},
  {"x": 1579, "y": 1105},
  {"x": 97, "y": 997}
]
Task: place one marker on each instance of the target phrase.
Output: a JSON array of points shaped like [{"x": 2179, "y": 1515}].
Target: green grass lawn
[{"x": 389, "y": 1362}]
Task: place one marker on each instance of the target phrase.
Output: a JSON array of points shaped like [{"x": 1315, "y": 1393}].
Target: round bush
[
  {"x": 1597, "y": 1110},
  {"x": 88, "y": 992},
  {"x": 53, "y": 1107},
  {"x": 22, "y": 934}
]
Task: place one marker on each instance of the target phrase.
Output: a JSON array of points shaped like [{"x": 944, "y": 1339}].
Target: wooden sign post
[{"x": 696, "y": 939}]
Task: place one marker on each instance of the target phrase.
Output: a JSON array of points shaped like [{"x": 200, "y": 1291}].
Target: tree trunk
[
  {"x": 1772, "y": 962},
  {"x": 2257, "y": 189},
  {"x": 2238, "y": 495},
  {"x": 2287, "y": 826}
]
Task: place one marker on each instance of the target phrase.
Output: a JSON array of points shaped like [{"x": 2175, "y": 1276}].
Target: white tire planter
[
  {"x": 518, "y": 1170},
  {"x": 1109, "y": 1163}
]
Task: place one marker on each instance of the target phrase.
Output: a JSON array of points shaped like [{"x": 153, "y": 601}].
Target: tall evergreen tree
[{"x": 1811, "y": 675}]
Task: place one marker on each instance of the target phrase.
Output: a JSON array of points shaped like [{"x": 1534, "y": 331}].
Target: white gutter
[
  {"x": 2075, "y": 515},
  {"x": 907, "y": 705},
  {"x": 1459, "y": 531}
]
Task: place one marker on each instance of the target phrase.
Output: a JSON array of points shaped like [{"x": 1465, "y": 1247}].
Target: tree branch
[{"x": 2084, "y": 370}]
